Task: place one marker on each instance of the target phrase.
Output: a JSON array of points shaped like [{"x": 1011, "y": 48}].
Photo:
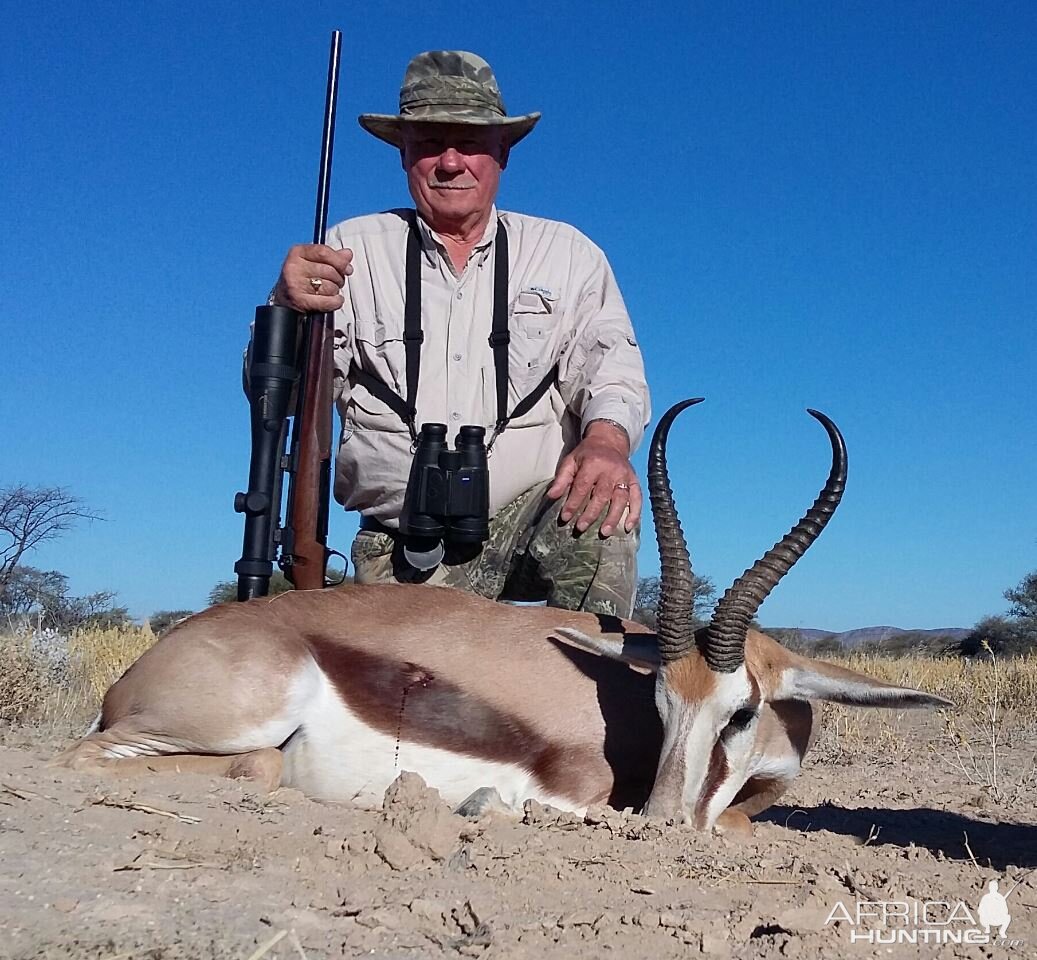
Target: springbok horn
[
  {"x": 677, "y": 584},
  {"x": 724, "y": 642}
]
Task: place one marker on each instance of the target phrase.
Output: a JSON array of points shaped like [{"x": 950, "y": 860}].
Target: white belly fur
[{"x": 336, "y": 756}]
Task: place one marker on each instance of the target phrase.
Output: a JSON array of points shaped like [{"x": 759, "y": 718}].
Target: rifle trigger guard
[{"x": 345, "y": 568}]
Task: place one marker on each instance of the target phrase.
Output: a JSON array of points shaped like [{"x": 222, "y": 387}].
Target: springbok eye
[{"x": 741, "y": 719}]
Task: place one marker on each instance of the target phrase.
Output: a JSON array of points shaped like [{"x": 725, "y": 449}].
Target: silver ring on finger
[
  {"x": 316, "y": 283},
  {"x": 621, "y": 486}
]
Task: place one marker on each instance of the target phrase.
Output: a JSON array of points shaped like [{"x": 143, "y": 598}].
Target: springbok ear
[
  {"x": 637, "y": 651},
  {"x": 817, "y": 680}
]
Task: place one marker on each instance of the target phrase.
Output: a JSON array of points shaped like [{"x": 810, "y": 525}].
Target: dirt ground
[{"x": 187, "y": 867}]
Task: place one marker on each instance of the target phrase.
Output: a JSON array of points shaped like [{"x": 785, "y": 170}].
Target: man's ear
[{"x": 806, "y": 679}]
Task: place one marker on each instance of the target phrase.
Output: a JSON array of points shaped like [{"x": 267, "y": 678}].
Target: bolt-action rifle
[{"x": 284, "y": 362}]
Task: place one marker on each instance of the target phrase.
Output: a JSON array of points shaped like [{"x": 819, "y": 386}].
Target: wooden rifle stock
[{"x": 309, "y": 487}]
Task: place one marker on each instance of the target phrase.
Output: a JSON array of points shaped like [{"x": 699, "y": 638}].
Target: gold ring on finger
[{"x": 316, "y": 283}]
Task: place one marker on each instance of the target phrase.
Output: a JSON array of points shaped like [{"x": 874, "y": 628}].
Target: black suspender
[
  {"x": 413, "y": 337},
  {"x": 500, "y": 336}
]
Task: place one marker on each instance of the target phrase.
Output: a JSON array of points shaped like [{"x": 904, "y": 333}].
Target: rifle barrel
[{"x": 327, "y": 147}]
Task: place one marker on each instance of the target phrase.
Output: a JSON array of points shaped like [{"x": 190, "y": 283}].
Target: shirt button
[
  {"x": 457, "y": 356},
  {"x": 455, "y": 416},
  {"x": 460, "y": 294}
]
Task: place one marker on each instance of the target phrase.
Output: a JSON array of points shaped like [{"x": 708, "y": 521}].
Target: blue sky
[{"x": 806, "y": 204}]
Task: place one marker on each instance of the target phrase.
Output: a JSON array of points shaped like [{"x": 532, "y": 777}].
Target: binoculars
[{"x": 448, "y": 494}]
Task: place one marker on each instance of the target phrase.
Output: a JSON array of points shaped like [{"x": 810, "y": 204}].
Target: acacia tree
[
  {"x": 41, "y": 598},
  {"x": 1013, "y": 634},
  {"x": 226, "y": 591},
  {"x": 1023, "y": 598},
  {"x": 30, "y": 516},
  {"x": 162, "y": 621},
  {"x": 646, "y": 601}
]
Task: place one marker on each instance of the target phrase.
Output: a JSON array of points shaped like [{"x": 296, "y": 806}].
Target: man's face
[{"x": 453, "y": 171}]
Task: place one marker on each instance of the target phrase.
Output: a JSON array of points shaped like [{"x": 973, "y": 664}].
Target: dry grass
[
  {"x": 986, "y": 739},
  {"x": 25, "y": 681},
  {"x": 969, "y": 683},
  {"x": 61, "y": 680},
  {"x": 102, "y": 656}
]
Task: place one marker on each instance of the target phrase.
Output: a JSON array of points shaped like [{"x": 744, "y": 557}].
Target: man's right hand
[{"x": 313, "y": 261}]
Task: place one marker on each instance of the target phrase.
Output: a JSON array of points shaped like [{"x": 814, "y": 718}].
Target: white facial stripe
[
  {"x": 693, "y": 729},
  {"x": 698, "y": 748},
  {"x": 731, "y": 692},
  {"x": 677, "y": 718}
]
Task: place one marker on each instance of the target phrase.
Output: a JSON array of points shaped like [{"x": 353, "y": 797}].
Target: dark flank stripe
[{"x": 405, "y": 699}]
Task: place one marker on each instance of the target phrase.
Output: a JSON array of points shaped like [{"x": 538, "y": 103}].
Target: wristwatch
[{"x": 613, "y": 423}]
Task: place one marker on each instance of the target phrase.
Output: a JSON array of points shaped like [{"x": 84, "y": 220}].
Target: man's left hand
[{"x": 596, "y": 474}]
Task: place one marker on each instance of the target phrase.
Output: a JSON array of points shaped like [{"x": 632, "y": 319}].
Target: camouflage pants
[{"x": 530, "y": 556}]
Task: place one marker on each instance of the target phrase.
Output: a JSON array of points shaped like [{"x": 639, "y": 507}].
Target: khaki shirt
[{"x": 565, "y": 308}]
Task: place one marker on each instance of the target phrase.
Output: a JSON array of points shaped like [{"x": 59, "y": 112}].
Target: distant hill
[{"x": 854, "y": 638}]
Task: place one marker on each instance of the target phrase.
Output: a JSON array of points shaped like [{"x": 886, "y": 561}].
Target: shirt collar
[{"x": 432, "y": 242}]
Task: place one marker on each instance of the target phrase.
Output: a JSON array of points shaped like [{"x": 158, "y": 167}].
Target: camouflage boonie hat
[{"x": 448, "y": 86}]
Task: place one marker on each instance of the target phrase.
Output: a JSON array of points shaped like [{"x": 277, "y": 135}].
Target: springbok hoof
[{"x": 263, "y": 767}]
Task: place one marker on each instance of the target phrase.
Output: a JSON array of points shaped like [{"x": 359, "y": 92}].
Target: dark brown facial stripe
[
  {"x": 716, "y": 774},
  {"x": 404, "y": 698},
  {"x": 759, "y": 787}
]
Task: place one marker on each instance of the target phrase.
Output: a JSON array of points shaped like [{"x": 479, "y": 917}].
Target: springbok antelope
[{"x": 335, "y": 692}]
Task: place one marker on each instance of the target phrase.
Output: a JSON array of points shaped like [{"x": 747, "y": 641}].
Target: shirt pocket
[
  {"x": 380, "y": 352},
  {"x": 379, "y": 348},
  {"x": 534, "y": 325}
]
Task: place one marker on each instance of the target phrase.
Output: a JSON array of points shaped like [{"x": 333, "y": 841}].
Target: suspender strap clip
[{"x": 524, "y": 405}]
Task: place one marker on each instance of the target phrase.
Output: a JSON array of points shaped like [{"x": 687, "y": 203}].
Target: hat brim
[{"x": 389, "y": 128}]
